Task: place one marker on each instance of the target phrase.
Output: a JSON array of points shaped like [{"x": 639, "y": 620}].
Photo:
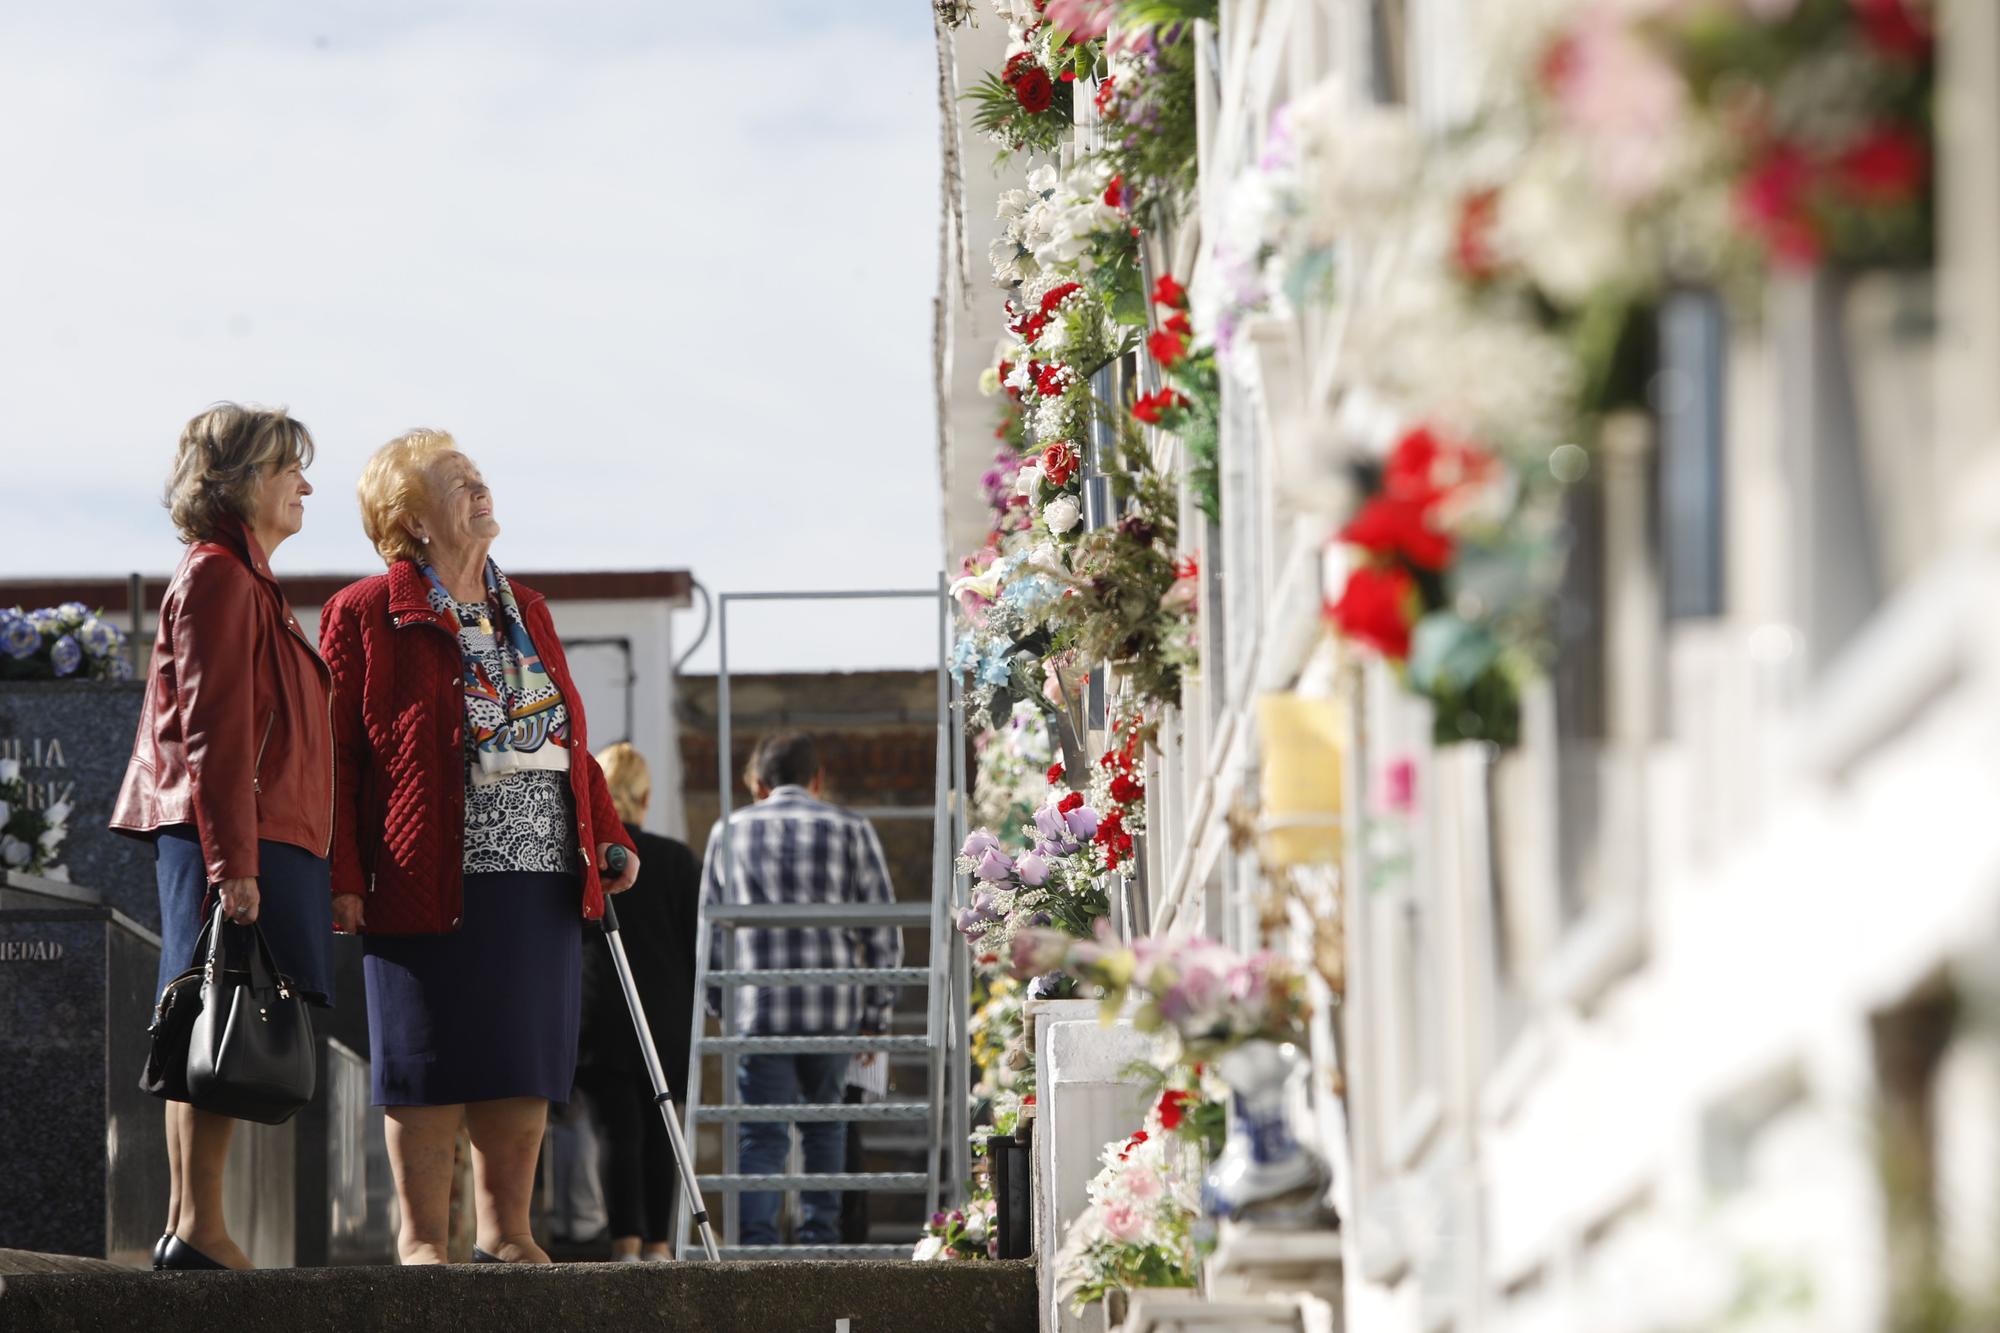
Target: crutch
[{"x": 614, "y": 861}]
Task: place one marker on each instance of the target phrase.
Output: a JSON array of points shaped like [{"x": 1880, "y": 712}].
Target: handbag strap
[{"x": 220, "y": 956}]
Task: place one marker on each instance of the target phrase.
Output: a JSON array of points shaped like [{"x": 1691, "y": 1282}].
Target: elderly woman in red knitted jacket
[{"x": 470, "y": 822}]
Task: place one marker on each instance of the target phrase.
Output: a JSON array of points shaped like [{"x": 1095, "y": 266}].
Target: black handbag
[
  {"x": 250, "y": 1053},
  {"x": 165, "y": 1074}
]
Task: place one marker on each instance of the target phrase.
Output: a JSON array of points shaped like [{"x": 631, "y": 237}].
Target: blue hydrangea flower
[
  {"x": 120, "y": 668},
  {"x": 98, "y": 639},
  {"x": 18, "y": 638},
  {"x": 996, "y": 668},
  {"x": 77, "y": 609},
  {"x": 964, "y": 656},
  {"x": 65, "y": 655}
]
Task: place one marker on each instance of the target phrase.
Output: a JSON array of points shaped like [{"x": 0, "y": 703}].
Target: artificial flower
[
  {"x": 1388, "y": 525},
  {"x": 1062, "y": 514},
  {"x": 1375, "y": 609}
]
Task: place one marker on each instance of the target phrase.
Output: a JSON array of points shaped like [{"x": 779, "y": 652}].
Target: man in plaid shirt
[{"x": 793, "y": 847}]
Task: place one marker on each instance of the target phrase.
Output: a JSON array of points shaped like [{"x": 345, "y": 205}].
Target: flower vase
[{"x": 1264, "y": 1174}]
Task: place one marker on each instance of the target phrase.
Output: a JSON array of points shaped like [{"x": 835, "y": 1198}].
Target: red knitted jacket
[{"x": 398, "y": 736}]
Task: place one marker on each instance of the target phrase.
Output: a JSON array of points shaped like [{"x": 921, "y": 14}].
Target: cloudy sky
[{"x": 665, "y": 269}]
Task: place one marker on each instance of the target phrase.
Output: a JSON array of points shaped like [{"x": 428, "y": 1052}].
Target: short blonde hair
[
  {"x": 393, "y": 487},
  {"x": 630, "y": 781},
  {"x": 221, "y": 455}
]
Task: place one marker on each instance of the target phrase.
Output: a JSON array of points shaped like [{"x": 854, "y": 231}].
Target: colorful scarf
[{"x": 518, "y": 722}]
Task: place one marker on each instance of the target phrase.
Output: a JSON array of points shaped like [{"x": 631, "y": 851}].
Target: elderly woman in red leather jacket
[
  {"x": 232, "y": 769},
  {"x": 470, "y": 823}
]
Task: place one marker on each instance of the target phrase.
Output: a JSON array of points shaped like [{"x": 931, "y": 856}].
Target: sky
[{"x": 665, "y": 269}]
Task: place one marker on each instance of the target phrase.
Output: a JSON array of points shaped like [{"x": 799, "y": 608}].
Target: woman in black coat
[{"x": 657, "y": 918}]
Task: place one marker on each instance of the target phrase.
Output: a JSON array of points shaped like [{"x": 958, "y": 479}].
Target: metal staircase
[{"x": 945, "y": 1112}]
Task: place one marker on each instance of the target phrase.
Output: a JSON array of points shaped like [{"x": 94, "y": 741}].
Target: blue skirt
[
  {"x": 488, "y": 1011},
  {"x": 294, "y": 906}
]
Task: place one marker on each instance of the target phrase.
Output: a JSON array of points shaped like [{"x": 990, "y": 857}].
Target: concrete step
[{"x": 775, "y": 1296}]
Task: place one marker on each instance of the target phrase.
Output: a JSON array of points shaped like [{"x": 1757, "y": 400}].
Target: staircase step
[
  {"x": 839, "y": 1180},
  {"x": 824, "y": 976},
  {"x": 857, "y": 1111},
  {"x": 818, "y": 914},
  {"x": 726, "y": 1297},
  {"x": 815, "y": 1251},
  {"x": 810, "y": 1045}
]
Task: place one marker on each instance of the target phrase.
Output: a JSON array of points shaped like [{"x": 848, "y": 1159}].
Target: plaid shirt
[{"x": 790, "y": 848}]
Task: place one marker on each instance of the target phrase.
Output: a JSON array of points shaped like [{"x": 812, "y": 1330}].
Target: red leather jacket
[
  {"x": 235, "y": 736},
  {"x": 398, "y": 724}
]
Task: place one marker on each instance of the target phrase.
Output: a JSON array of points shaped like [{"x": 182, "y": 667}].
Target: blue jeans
[{"x": 763, "y": 1146}]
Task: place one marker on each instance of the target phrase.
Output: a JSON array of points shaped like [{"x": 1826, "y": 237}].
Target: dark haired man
[{"x": 792, "y": 846}]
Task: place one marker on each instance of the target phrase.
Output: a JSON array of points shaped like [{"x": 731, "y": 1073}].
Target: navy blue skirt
[
  {"x": 488, "y": 1011},
  {"x": 294, "y": 906}
]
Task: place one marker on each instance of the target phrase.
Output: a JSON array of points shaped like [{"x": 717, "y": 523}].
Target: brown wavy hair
[{"x": 221, "y": 455}]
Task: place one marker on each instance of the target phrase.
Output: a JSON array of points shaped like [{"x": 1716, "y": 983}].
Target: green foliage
[{"x": 998, "y": 113}]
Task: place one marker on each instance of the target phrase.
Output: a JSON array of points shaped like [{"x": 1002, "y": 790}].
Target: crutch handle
[{"x": 614, "y": 862}]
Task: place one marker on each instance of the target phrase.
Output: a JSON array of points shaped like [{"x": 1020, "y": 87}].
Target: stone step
[{"x": 766, "y": 1296}]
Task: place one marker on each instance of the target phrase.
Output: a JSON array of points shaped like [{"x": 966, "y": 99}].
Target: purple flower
[
  {"x": 65, "y": 655},
  {"x": 1049, "y": 822},
  {"x": 980, "y": 843},
  {"x": 1083, "y": 822},
  {"x": 981, "y": 913},
  {"x": 1032, "y": 869},
  {"x": 994, "y": 865}
]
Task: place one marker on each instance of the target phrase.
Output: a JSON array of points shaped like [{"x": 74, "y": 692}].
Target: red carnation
[
  {"x": 1153, "y": 406},
  {"x": 1772, "y": 198},
  {"x": 1049, "y": 379},
  {"x": 1127, "y": 790},
  {"x": 1424, "y": 467},
  {"x": 1034, "y": 90},
  {"x": 1055, "y": 296},
  {"x": 1374, "y": 609},
  {"x": 1171, "y": 1109},
  {"x": 1167, "y": 292},
  {"x": 1177, "y": 323},
  {"x": 1167, "y": 348},
  {"x": 1893, "y": 29},
  {"x": 1114, "y": 194},
  {"x": 1104, "y": 94},
  {"x": 1073, "y": 801},
  {"x": 1887, "y": 165},
  {"x": 1389, "y": 526},
  {"x": 1055, "y": 774}
]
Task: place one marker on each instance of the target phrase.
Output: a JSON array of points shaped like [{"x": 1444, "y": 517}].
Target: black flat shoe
[
  {"x": 160, "y": 1250},
  {"x": 480, "y": 1256},
  {"x": 178, "y": 1255}
]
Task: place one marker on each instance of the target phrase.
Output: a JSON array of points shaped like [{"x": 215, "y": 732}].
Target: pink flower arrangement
[{"x": 1209, "y": 996}]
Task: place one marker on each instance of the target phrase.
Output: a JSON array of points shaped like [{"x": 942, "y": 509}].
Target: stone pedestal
[
  {"x": 82, "y": 1151},
  {"x": 1172, "y": 1310},
  {"x": 1086, "y": 1100},
  {"x": 73, "y": 739},
  {"x": 1254, "y": 1261},
  {"x": 83, "y": 1159}
]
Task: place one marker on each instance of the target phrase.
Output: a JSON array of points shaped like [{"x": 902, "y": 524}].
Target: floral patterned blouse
[{"x": 523, "y": 822}]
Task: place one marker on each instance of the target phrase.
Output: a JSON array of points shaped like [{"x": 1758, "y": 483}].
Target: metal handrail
[{"x": 946, "y": 1013}]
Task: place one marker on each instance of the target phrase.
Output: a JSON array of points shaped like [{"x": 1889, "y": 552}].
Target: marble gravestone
[
  {"x": 82, "y": 1150},
  {"x": 73, "y": 739}
]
